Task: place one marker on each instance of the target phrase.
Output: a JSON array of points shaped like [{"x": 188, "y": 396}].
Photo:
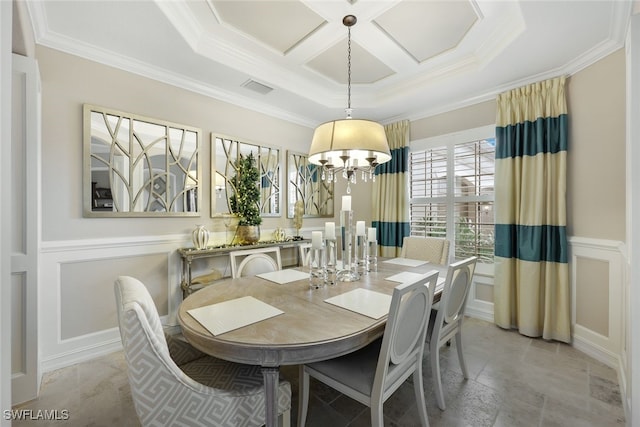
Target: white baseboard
[
  {"x": 63, "y": 360},
  {"x": 478, "y": 313}
]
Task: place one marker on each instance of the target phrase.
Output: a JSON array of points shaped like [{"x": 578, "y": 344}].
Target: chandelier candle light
[{"x": 349, "y": 145}]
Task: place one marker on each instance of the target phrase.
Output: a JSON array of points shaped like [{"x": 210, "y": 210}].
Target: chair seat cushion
[
  {"x": 357, "y": 369},
  {"x": 223, "y": 375}
]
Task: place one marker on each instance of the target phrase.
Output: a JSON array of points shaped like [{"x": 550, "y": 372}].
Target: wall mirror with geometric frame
[
  {"x": 225, "y": 152},
  {"x": 304, "y": 182},
  {"x": 138, "y": 166}
]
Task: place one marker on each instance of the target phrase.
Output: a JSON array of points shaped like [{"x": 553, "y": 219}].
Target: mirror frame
[
  {"x": 88, "y": 190},
  {"x": 294, "y": 160},
  {"x": 229, "y": 171}
]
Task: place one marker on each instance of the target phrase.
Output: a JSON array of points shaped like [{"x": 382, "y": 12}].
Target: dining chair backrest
[
  {"x": 405, "y": 332},
  {"x": 456, "y": 290},
  {"x": 255, "y": 261},
  {"x": 447, "y": 322},
  {"x": 305, "y": 253},
  {"x": 431, "y": 249}
]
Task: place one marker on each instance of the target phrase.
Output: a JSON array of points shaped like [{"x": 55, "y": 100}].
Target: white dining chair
[
  {"x": 372, "y": 374},
  {"x": 305, "y": 253},
  {"x": 446, "y": 322},
  {"x": 250, "y": 262},
  {"x": 174, "y": 384},
  {"x": 431, "y": 249}
]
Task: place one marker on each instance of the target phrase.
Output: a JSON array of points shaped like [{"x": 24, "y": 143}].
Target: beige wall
[
  {"x": 470, "y": 117},
  {"x": 596, "y": 158},
  {"x": 69, "y": 81}
]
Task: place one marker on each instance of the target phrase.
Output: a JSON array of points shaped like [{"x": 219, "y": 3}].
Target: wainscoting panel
[
  {"x": 480, "y": 300},
  {"x": 77, "y": 305},
  {"x": 597, "y": 285},
  {"x": 18, "y": 323}
]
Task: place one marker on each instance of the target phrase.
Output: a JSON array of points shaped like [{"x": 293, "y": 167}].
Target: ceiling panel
[
  {"x": 365, "y": 68},
  {"x": 425, "y": 29},
  {"x": 280, "y": 25}
]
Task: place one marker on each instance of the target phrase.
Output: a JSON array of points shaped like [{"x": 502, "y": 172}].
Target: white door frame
[
  {"x": 26, "y": 205},
  {"x": 6, "y": 10}
]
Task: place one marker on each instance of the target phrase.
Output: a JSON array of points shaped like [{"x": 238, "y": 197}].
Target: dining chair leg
[
  {"x": 463, "y": 365},
  {"x": 435, "y": 372},
  {"x": 418, "y": 388},
  {"x": 285, "y": 419},
  {"x": 377, "y": 419},
  {"x": 303, "y": 397}
]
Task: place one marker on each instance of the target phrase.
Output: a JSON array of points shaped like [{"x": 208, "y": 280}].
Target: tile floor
[{"x": 514, "y": 381}]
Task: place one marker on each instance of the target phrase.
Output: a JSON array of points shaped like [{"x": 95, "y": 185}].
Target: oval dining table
[{"x": 308, "y": 330}]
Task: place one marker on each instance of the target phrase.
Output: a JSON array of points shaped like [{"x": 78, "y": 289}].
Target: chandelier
[{"x": 349, "y": 146}]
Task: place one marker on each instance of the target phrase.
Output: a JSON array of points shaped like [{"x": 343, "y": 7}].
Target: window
[{"x": 451, "y": 191}]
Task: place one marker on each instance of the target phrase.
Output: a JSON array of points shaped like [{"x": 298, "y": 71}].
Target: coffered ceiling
[{"x": 288, "y": 58}]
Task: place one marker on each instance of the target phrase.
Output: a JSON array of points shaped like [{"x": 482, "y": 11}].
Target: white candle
[
  {"x": 316, "y": 239},
  {"x": 330, "y": 230},
  {"x": 346, "y": 203},
  {"x": 372, "y": 234},
  {"x": 360, "y": 228}
]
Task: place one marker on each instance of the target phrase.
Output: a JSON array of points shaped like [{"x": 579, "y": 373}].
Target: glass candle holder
[
  {"x": 317, "y": 271},
  {"x": 372, "y": 255},
  {"x": 331, "y": 261},
  {"x": 360, "y": 257},
  {"x": 347, "y": 273}
]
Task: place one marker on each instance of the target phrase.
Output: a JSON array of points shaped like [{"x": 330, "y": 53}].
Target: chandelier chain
[{"x": 349, "y": 69}]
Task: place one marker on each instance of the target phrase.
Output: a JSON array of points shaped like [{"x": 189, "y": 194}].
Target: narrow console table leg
[{"x": 270, "y": 376}]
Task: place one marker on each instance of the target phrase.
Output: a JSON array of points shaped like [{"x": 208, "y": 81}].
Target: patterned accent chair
[
  {"x": 174, "y": 384},
  {"x": 431, "y": 249}
]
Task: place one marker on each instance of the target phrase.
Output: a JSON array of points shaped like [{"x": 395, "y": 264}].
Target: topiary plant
[{"x": 246, "y": 200}]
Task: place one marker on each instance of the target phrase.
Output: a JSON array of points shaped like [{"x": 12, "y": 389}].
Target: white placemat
[
  {"x": 363, "y": 301},
  {"x": 407, "y": 276},
  {"x": 406, "y": 261},
  {"x": 233, "y": 314},
  {"x": 404, "y": 277},
  {"x": 284, "y": 276}
]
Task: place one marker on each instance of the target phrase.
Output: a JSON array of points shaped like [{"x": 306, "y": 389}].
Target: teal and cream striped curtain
[
  {"x": 390, "y": 194},
  {"x": 531, "y": 265}
]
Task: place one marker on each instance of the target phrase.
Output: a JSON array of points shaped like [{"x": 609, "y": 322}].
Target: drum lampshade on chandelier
[{"x": 349, "y": 146}]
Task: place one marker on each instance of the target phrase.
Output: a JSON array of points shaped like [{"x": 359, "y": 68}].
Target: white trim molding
[
  {"x": 57, "y": 352},
  {"x": 606, "y": 348}
]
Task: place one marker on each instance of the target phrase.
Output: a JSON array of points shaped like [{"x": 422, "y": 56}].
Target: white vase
[{"x": 200, "y": 237}]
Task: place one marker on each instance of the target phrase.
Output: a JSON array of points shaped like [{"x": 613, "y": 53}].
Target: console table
[{"x": 189, "y": 254}]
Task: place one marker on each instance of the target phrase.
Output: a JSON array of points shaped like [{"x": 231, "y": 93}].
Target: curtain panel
[
  {"x": 531, "y": 260},
  {"x": 390, "y": 192}
]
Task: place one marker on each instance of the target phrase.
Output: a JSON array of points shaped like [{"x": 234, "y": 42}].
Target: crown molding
[{"x": 111, "y": 59}]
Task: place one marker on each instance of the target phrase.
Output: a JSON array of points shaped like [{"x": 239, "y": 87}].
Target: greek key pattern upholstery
[{"x": 202, "y": 392}]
